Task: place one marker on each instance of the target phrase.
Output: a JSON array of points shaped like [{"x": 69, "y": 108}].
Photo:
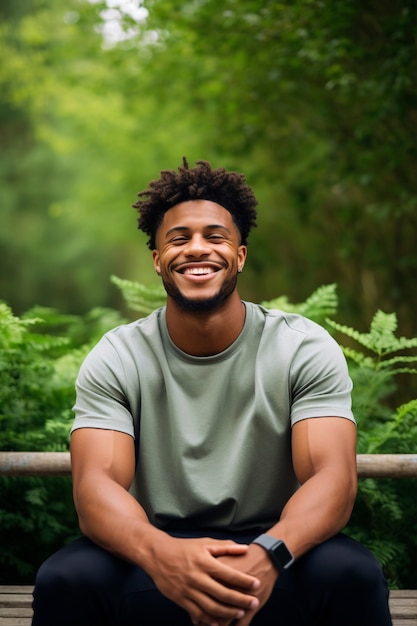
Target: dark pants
[{"x": 338, "y": 583}]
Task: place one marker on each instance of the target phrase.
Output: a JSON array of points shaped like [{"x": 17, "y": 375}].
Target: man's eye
[{"x": 216, "y": 236}]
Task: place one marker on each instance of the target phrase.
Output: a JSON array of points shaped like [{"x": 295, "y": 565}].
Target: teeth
[{"x": 197, "y": 271}]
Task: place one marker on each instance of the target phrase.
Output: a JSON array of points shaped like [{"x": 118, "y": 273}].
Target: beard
[{"x": 205, "y": 305}]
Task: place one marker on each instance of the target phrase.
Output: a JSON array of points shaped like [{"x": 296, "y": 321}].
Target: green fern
[
  {"x": 374, "y": 370},
  {"x": 397, "y": 434},
  {"x": 12, "y": 329},
  {"x": 40, "y": 355},
  {"x": 140, "y": 297},
  {"x": 381, "y": 341},
  {"x": 322, "y": 302},
  {"x": 385, "y": 511}
]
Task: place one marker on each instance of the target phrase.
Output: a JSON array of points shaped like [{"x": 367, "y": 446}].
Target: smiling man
[
  {"x": 213, "y": 448},
  {"x": 199, "y": 241}
]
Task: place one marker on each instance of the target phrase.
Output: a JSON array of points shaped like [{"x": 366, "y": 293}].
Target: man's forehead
[
  {"x": 198, "y": 210},
  {"x": 202, "y": 214},
  {"x": 198, "y": 204}
]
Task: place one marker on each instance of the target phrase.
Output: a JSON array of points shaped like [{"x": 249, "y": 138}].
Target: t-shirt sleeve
[
  {"x": 320, "y": 382},
  {"x": 101, "y": 399}
]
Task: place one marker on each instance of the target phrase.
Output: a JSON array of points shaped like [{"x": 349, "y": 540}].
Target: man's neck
[{"x": 209, "y": 332}]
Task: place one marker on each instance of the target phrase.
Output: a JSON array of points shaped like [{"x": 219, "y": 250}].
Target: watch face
[{"x": 282, "y": 554}]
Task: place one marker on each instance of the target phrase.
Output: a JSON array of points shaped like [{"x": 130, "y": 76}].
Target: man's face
[{"x": 198, "y": 254}]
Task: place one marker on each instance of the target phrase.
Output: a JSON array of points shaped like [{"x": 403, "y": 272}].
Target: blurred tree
[
  {"x": 321, "y": 97},
  {"x": 75, "y": 150},
  {"x": 314, "y": 101}
]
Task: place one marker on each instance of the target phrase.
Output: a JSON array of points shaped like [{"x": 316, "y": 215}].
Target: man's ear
[
  {"x": 155, "y": 259},
  {"x": 241, "y": 257}
]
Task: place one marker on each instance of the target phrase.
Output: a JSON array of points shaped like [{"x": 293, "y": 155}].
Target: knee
[
  {"x": 63, "y": 593},
  {"x": 49, "y": 595},
  {"x": 50, "y": 580},
  {"x": 62, "y": 572},
  {"x": 364, "y": 574},
  {"x": 347, "y": 564}
]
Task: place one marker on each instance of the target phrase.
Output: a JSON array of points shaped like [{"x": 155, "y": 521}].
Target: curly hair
[{"x": 229, "y": 189}]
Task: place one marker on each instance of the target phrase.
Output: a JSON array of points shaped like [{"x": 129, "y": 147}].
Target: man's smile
[{"x": 197, "y": 269}]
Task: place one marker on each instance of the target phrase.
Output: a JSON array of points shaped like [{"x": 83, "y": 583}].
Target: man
[{"x": 213, "y": 449}]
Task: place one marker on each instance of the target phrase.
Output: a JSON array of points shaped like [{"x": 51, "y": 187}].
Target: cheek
[{"x": 162, "y": 261}]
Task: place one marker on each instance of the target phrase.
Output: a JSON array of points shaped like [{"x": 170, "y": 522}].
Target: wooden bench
[{"x": 16, "y": 601}]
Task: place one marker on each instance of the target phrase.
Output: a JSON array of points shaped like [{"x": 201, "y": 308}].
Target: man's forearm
[
  {"x": 319, "y": 509},
  {"x": 112, "y": 518},
  {"x": 187, "y": 571}
]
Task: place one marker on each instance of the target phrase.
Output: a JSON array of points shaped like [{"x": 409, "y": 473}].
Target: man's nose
[{"x": 197, "y": 245}]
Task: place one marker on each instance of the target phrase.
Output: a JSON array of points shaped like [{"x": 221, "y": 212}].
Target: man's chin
[{"x": 198, "y": 305}]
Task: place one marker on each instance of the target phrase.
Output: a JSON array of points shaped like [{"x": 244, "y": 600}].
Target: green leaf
[{"x": 139, "y": 297}]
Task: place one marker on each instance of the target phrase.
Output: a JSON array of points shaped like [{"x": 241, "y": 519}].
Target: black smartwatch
[{"x": 277, "y": 551}]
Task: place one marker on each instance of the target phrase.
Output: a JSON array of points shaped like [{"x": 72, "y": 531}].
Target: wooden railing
[{"x": 59, "y": 464}]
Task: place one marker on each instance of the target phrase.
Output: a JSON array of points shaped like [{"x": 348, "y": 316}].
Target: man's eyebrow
[
  {"x": 177, "y": 229},
  {"x": 218, "y": 227}
]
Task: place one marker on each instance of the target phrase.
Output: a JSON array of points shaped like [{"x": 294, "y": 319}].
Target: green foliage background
[{"x": 314, "y": 101}]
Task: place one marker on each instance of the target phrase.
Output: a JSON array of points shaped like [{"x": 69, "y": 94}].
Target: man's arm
[
  {"x": 324, "y": 458},
  {"x": 185, "y": 570}
]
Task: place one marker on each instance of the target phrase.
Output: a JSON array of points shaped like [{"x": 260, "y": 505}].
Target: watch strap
[{"x": 277, "y": 551}]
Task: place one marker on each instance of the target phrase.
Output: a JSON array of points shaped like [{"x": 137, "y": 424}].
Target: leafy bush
[
  {"x": 37, "y": 374},
  {"x": 385, "y": 514}
]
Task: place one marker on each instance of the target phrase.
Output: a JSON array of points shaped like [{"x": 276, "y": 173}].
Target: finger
[
  {"x": 231, "y": 587},
  {"x": 233, "y": 578},
  {"x": 205, "y": 608},
  {"x": 202, "y": 618},
  {"x": 226, "y": 547}
]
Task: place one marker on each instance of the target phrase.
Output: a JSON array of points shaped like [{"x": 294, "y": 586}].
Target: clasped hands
[{"x": 218, "y": 582}]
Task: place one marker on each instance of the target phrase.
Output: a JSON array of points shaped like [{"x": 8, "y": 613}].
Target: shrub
[{"x": 37, "y": 375}]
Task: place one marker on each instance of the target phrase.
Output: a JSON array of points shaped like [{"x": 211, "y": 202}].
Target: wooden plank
[
  {"x": 19, "y": 589},
  {"x": 16, "y": 605},
  {"x": 59, "y": 464},
  {"x": 15, "y": 612},
  {"x": 16, "y": 600},
  {"x": 405, "y": 611},
  {"x": 404, "y": 594}
]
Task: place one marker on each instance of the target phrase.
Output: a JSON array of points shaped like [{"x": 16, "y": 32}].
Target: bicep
[
  {"x": 99, "y": 452},
  {"x": 324, "y": 443}
]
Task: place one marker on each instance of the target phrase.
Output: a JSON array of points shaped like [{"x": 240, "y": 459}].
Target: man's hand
[
  {"x": 211, "y": 589},
  {"x": 257, "y": 563}
]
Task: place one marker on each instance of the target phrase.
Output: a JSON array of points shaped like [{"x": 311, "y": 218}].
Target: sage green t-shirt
[{"x": 213, "y": 433}]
